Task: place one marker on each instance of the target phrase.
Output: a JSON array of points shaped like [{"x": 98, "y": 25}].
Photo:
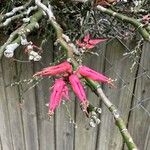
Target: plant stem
[{"x": 139, "y": 26}]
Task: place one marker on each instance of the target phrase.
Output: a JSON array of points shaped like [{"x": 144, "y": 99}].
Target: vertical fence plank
[
  {"x": 25, "y": 71},
  {"x": 147, "y": 143},
  {"x": 45, "y": 126},
  {"x": 5, "y": 133},
  {"x": 9, "y": 73},
  {"x": 64, "y": 128},
  {"x": 116, "y": 67},
  {"x": 85, "y": 136},
  {"x": 0, "y": 143},
  {"x": 139, "y": 122}
]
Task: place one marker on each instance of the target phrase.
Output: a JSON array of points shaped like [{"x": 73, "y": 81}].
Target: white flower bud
[
  {"x": 74, "y": 48},
  {"x": 26, "y": 20},
  {"x": 92, "y": 124},
  {"x": 99, "y": 110},
  {"x": 97, "y": 121},
  {"x": 93, "y": 113},
  {"x": 94, "y": 118},
  {"x": 67, "y": 39},
  {"x": 30, "y": 47},
  {"x": 34, "y": 56}
]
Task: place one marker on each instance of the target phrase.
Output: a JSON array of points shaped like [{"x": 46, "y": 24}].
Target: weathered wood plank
[
  {"x": 5, "y": 132},
  {"x": 85, "y": 136},
  {"x": 116, "y": 67},
  {"x": 25, "y": 71},
  {"x": 16, "y": 127},
  {"x": 139, "y": 122},
  {"x": 45, "y": 126},
  {"x": 64, "y": 128},
  {"x": 0, "y": 143},
  {"x": 147, "y": 143},
  {"x": 1, "y": 147}
]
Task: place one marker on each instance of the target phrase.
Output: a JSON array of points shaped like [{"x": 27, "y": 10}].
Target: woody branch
[
  {"x": 143, "y": 30},
  {"x": 14, "y": 39},
  {"x": 93, "y": 85}
]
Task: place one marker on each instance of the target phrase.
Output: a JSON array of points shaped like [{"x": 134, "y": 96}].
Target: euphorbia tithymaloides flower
[
  {"x": 65, "y": 93},
  {"x": 88, "y": 43},
  {"x": 60, "y": 90},
  {"x": 64, "y": 67},
  {"x": 89, "y": 73},
  {"x": 105, "y": 2},
  {"x": 79, "y": 91}
]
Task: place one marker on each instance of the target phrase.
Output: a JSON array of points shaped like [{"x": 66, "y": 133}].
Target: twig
[{"x": 139, "y": 26}]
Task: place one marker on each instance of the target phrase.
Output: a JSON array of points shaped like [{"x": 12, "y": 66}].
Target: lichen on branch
[{"x": 25, "y": 29}]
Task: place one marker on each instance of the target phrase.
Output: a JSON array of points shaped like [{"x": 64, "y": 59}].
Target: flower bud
[
  {"x": 56, "y": 96},
  {"x": 92, "y": 124},
  {"x": 64, "y": 67}
]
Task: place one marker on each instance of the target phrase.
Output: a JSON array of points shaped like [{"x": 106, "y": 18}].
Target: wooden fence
[{"x": 24, "y": 124}]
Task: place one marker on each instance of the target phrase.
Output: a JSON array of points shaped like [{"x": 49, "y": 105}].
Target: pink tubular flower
[
  {"x": 89, "y": 43},
  {"x": 54, "y": 70},
  {"x": 65, "y": 92},
  {"x": 79, "y": 91},
  {"x": 89, "y": 73},
  {"x": 59, "y": 91},
  {"x": 77, "y": 87}
]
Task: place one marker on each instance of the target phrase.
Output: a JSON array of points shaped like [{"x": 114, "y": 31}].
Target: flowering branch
[
  {"x": 94, "y": 85},
  {"x": 138, "y": 25}
]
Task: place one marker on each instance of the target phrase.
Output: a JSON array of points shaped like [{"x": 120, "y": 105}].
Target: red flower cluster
[
  {"x": 60, "y": 88},
  {"x": 105, "y": 2},
  {"x": 89, "y": 43}
]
